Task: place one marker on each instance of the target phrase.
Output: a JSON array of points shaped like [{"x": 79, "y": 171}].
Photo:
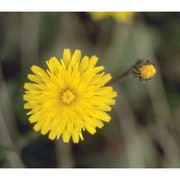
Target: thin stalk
[{"x": 120, "y": 77}]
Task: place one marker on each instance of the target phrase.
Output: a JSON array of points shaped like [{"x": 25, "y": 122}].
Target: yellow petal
[
  {"x": 47, "y": 126},
  {"x": 83, "y": 64},
  {"x": 29, "y": 86},
  {"x": 66, "y": 136},
  {"x": 92, "y": 62},
  {"x": 35, "y": 117},
  {"x": 40, "y": 72},
  {"x": 67, "y": 57},
  {"x": 35, "y": 78},
  {"x": 52, "y": 135},
  {"x": 76, "y": 57},
  {"x": 102, "y": 115},
  {"x": 38, "y": 125},
  {"x": 89, "y": 128},
  {"x": 75, "y": 136}
]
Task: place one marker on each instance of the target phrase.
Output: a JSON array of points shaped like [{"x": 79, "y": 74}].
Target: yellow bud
[
  {"x": 147, "y": 71},
  {"x": 143, "y": 69}
]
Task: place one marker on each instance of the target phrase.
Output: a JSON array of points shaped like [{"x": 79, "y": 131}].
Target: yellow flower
[
  {"x": 118, "y": 16},
  {"x": 143, "y": 69},
  {"x": 123, "y": 16},
  {"x": 69, "y": 97}
]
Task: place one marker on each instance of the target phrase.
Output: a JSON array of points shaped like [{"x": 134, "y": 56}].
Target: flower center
[
  {"x": 68, "y": 96},
  {"x": 147, "y": 71}
]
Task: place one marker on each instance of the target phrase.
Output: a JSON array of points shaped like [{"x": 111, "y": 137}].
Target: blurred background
[{"x": 145, "y": 128}]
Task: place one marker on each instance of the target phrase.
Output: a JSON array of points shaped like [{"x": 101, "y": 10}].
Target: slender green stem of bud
[{"x": 123, "y": 75}]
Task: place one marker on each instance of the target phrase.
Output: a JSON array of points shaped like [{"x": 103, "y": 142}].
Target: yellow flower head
[
  {"x": 147, "y": 71},
  {"x": 125, "y": 17},
  {"x": 68, "y": 97},
  {"x": 143, "y": 69}
]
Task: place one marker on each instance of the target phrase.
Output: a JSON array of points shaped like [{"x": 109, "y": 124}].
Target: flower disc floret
[{"x": 68, "y": 97}]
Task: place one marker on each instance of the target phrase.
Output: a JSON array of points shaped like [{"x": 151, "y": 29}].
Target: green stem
[{"x": 123, "y": 75}]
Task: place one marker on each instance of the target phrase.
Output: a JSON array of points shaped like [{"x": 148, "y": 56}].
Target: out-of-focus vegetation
[{"x": 145, "y": 126}]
